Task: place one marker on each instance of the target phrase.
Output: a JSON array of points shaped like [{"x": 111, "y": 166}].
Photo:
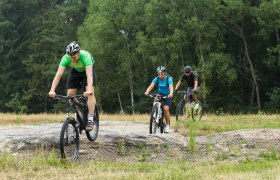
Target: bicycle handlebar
[
  {"x": 72, "y": 97},
  {"x": 182, "y": 92},
  {"x": 158, "y": 95}
]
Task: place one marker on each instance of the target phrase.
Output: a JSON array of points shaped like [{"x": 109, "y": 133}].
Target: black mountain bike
[
  {"x": 73, "y": 126},
  {"x": 190, "y": 109},
  {"x": 157, "y": 116}
]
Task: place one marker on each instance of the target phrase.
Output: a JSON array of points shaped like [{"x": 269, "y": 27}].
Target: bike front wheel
[
  {"x": 197, "y": 111},
  {"x": 181, "y": 113},
  {"x": 92, "y": 134},
  {"x": 69, "y": 140},
  {"x": 153, "y": 123}
]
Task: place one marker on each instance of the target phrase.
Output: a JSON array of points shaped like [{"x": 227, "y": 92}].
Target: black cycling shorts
[
  {"x": 76, "y": 79},
  {"x": 167, "y": 101}
]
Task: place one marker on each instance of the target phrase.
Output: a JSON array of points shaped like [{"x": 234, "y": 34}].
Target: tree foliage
[{"x": 234, "y": 46}]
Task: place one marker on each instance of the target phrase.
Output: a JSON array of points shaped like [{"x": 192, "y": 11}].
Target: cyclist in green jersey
[{"x": 83, "y": 70}]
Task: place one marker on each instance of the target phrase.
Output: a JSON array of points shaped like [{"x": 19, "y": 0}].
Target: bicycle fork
[{"x": 157, "y": 114}]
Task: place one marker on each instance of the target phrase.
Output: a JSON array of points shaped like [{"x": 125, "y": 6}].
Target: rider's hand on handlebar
[
  {"x": 52, "y": 94},
  {"x": 88, "y": 93},
  {"x": 146, "y": 93},
  {"x": 170, "y": 95},
  {"x": 193, "y": 91}
]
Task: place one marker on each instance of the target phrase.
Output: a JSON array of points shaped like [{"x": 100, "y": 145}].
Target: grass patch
[{"x": 50, "y": 167}]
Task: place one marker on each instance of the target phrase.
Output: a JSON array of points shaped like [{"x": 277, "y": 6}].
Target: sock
[{"x": 90, "y": 117}]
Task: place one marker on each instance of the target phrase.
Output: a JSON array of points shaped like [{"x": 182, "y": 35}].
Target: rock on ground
[{"x": 130, "y": 140}]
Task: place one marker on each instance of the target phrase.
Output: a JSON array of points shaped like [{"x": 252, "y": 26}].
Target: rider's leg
[
  {"x": 91, "y": 106},
  {"x": 167, "y": 118},
  {"x": 71, "y": 92},
  {"x": 195, "y": 96},
  {"x": 91, "y": 99},
  {"x": 167, "y": 104},
  {"x": 166, "y": 114},
  {"x": 91, "y": 102}
]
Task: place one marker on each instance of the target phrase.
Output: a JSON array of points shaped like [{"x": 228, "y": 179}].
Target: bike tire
[
  {"x": 92, "y": 134},
  {"x": 161, "y": 125},
  {"x": 197, "y": 112},
  {"x": 69, "y": 140},
  {"x": 180, "y": 111},
  {"x": 153, "y": 124}
]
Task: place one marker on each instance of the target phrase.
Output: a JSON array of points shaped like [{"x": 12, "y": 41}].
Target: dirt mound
[{"x": 132, "y": 141}]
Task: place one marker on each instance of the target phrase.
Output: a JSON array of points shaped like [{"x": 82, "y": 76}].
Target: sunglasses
[
  {"x": 160, "y": 73},
  {"x": 187, "y": 72},
  {"x": 74, "y": 56}
]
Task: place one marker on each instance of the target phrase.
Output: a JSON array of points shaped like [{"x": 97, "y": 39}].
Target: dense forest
[{"x": 234, "y": 46}]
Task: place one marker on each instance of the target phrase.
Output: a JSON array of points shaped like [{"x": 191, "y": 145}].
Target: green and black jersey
[{"x": 84, "y": 60}]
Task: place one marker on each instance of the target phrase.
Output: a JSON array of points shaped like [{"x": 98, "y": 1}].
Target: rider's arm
[
  {"x": 149, "y": 89},
  {"x": 171, "y": 87},
  {"x": 195, "y": 85},
  {"x": 56, "y": 80},
  {"x": 178, "y": 84},
  {"x": 89, "y": 79}
]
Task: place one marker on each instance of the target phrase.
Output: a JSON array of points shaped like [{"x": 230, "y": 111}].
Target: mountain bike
[
  {"x": 190, "y": 109},
  {"x": 157, "y": 116},
  {"x": 74, "y": 126}
]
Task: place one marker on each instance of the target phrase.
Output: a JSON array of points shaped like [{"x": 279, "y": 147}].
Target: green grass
[
  {"x": 50, "y": 167},
  {"x": 46, "y": 165},
  {"x": 214, "y": 124}
]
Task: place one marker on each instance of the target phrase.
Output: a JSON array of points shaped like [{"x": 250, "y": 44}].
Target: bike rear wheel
[
  {"x": 197, "y": 111},
  {"x": 69, "y": 140},
  {"x": 181, "y": 111},
  {"x": 153, "y": 123},
  {"x": 92, "y": 134}
]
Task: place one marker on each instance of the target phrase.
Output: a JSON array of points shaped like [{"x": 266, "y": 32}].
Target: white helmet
[{"x": 161, "y": 69}]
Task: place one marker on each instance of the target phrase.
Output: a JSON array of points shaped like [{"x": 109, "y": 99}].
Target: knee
[{"x": 166, "y": 108}]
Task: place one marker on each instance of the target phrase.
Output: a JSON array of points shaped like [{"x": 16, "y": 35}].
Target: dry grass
[
  {"x": 16, "y": 119},
  {"x": 209, "y": 124}
]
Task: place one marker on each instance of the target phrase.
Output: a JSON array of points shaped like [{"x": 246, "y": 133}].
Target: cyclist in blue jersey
[{"x": 164, "y": 85}]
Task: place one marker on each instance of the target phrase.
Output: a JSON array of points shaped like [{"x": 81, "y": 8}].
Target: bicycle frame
[
  {"x": 190, "y": 107},
  {"x": 159, "y": 114},
  {"x": 80, "y": 110}
]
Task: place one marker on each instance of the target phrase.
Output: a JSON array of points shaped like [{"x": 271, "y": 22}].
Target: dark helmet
[
  {"x": 161, "y": 69},
  {"x": 187, "y": 69},
  {"x": 73, "y": 48}
]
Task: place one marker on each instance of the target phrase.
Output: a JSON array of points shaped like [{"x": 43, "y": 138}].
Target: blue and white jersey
[{"x": 163, "y": 85}]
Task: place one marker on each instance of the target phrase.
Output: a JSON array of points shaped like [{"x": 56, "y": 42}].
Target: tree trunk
[
  {"x": 131, "y": 88},
  {"x": 202, "y": 63},
  {"x": 145, "y": 67},
  {"x": 239, "y": 32},
  {"x": 252, "y": 93},
  {"x": 119, "y": 98},
  {"x": 182, "y": 56},
  {"x": 253, "y": 73},
  {"x": 130, "y": 80},
  {"x": 1, "y": 2},
  {"x": 278, "y": 42},
  {"x": 203, "y": 70}
]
